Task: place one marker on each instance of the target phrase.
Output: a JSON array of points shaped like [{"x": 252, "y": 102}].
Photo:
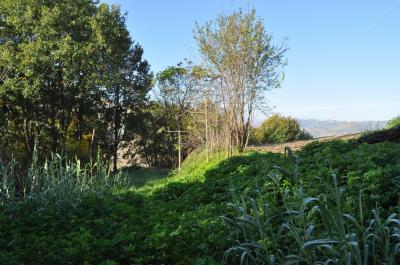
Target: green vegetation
[
  {"x": 393, "y": 122},
  {"x": 71, "y": 79},
  {"x": 57, "y": 183},
  {"x": 175, "y": 220},
  {"x": 295, "y": 220},
  {"x": 140, "y": 176},
  {"x": 73, "y": 82},
  {"x": 243, "y": 63},
  {"x": 78, "y": 83},
  {"x": 278, "y": 129}
]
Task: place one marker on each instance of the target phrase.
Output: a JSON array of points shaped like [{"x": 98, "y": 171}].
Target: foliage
[
  {"x": 393, "y": 122},
  {"x": 100, "y": 230},
  {"x": 279, "y": 129},
  {"x": 126, "y": 80},
  {"x": 153, "y": 144},
  {"x": 178, "y": 92},
  {"x": 140, "y": 176},
  {"x": 240, "y": 55},
  {"x": 303, "y": 229},
  {"x": 73, "y": 81},
  {"x": 178, "y": 106},
  {"x": 64, "y": 77},
  {"x": 174, "y": 220},
  {"x": 58, "y": 182}
]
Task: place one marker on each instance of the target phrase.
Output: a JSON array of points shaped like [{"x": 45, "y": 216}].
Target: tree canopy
[
  {"x": 278, "y": 129},
  {"x": 78, "y": 84},
  {"x": 68, "y": 81},
  {"x": 238, "y": 51}
]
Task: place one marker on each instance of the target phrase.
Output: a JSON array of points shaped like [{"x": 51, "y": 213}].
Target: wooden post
[
  {"x": 206, "y": 129},
  {"x": 179, "y": 132},
  {"x": 179, "y": 151}
]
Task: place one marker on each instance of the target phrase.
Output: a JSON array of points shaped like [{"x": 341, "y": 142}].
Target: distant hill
[{"x": 320, "y": 128}]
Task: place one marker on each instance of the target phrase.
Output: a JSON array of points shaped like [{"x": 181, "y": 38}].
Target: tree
[
  {"x": 238, "y": 51},
  {"x": 69, "y": 71},
  {"x": 279, "y": 129},
  {"x": 126, "y": 79},
  {"x": 49, "y": 62},
  {"x": 178, "y": 90},
  {"x": 153, "y": 144}
]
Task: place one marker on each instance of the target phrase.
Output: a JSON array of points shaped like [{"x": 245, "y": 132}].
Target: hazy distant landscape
[{"x": 320, "y": 128}]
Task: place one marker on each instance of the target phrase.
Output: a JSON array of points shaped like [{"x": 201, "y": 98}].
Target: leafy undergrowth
[
  {"x": 175, "y": 220},
  {"x": 141, "y": 176}
]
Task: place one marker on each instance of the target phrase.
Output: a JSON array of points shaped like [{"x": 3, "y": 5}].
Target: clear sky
[{"x": 344, "y": 57}]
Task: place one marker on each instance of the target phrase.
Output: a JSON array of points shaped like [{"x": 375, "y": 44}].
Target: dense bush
[
  {"x": 176, "y": 220},
  {"x": 278, "y": 129},
  {"x": 393, "y": 122}
]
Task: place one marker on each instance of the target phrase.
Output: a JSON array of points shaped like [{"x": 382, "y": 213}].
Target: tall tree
[
  {"x": 126, "y": 77},
  {"x": 65, "y": 65},
  {"x": 48, "y": 60},
  {"x": 237, "y": 49}
]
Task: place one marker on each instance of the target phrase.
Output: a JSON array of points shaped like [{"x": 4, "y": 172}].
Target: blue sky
[{"x": 344, "y": 57}]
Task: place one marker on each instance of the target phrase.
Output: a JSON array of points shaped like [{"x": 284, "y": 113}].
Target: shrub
[
  {"x": 279, "y": 129},
  {"x": 393, "y": 122}
]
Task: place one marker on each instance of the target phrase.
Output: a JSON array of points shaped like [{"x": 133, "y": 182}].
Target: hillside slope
[{"x": 176, "y": 220}]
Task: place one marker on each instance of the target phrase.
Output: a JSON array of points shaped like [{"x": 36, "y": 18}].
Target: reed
[
  {"x": 282, "y": 224},
  {"x": 58, "y": 181}
]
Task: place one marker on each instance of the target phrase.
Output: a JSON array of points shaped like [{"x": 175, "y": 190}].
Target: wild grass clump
[
  {"x": 282, "y": 224},
  {"x": 58, "y": 181}
]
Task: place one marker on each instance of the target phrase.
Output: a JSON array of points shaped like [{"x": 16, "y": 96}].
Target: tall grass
[
  {"x": 58, "y": 181},
  {"x": 282, "y": 224}
]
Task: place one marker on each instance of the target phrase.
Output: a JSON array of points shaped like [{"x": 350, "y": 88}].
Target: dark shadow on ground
[{"x": 141, "y": 176}]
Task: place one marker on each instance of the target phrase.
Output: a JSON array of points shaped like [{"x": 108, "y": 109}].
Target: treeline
[{"x": 73, "y": 81}]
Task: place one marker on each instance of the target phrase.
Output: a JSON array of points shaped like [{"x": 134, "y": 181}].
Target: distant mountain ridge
[{"x": 320, "y": 128}]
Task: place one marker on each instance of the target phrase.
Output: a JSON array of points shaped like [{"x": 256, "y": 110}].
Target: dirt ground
[{"x": 296, "y": 145}]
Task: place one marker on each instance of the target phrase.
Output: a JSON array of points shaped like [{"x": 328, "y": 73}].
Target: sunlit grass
[{"x": 141, "y": 176}]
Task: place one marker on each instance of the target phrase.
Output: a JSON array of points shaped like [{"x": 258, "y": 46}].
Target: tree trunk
[{"x": 117, "y": 125}]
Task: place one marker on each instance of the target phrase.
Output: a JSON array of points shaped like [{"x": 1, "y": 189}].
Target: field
[
  {"x": 178, "y": 219},
  {"x": 298, "y": 145}
]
